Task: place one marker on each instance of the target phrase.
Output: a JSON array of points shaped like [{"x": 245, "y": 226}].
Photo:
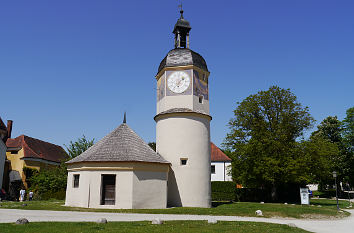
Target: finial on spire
[
  {"x": 125, "y": 118},
  {"x": 181, "y": 11}
]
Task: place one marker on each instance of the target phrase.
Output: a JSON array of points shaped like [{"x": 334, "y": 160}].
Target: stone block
[
  {"x": 157, "y": 221},
  {"x": 22, "y": 221},
  {"x": 259, "y": 213},
  {"x": 102, "y": 220}
]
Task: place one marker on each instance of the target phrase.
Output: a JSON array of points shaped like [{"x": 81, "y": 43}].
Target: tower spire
[
  {"x": 181, "y": 31},
  {"x": 125, "y": 118}
]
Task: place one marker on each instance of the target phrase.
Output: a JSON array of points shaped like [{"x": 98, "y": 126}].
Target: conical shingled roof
[{"x": 121, "y": 145}]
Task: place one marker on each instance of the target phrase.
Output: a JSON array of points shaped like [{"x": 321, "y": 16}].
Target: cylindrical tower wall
[{"x": 186, "y": 136}]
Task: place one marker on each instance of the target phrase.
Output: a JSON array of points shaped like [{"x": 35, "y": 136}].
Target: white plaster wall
[
  {"x": 221, "y": 169},
  {"x": 2, "y": 160},
  {"x": 77, "y": 197},
  {"x": 89, "y": 192},
  {"x": 149, "y": 190},
  {"x": 180, "y": 101},
  {"x": 186, "y": 137},
  {"x": 200, "y": 107}
]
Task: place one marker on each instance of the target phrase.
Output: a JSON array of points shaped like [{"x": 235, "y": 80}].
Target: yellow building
[{"x": 27, "y": 152}]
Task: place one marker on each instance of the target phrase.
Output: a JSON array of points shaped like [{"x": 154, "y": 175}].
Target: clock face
[{"x": 178, "y": 81}]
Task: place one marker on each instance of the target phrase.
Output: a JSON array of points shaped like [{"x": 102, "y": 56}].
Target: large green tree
[
  {"x": 348, "y": 129},
  {"x": 340, "y": 134},
  {"x": 348, "y": 142},
  {"x": 263, "y": 140},
  {"x": 330, "y": 129},
  {"x": 78, "y": 147}
]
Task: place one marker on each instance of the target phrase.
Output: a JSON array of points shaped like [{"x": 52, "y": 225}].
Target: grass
[
  {"x": 319, "y": 208},
  {"x": 168, "y": 226}
]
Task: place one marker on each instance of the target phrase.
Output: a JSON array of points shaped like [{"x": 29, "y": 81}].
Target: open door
[{"x": 108, "y": 189}]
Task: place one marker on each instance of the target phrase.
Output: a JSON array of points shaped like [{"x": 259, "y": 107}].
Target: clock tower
[{"x": 183, "y": 121}]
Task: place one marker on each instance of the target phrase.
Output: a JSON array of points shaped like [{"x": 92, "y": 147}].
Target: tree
[
  {"x": 341, "y": 134},
  {"x": 262, "y": 138},
  {"x": 152, "y": 145},
  {"x": 348, "y": 142},
  {"x": 348, "y": 129},
  {"x": 78, "y": 147},
  {"x": 330, "y": 128}
]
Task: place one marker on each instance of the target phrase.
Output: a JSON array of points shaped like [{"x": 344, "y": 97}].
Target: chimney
[{"x": 9, "y": 128}]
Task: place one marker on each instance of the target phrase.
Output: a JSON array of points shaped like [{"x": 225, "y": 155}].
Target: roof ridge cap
[{"x": 41, "y": 140}]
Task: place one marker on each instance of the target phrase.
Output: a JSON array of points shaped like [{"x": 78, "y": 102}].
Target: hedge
[{"x": 223, "y": 190}]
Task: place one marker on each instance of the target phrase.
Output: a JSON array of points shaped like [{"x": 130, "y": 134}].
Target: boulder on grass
[
  {"x": 102, "y": 220},
  {"x": 22, "y": 221},
  {"x": 157, "y": 221},
  {"x": 259, "y": 213}
]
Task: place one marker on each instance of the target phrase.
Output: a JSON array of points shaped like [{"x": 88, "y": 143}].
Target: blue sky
[{"x": 69, "y": 68}]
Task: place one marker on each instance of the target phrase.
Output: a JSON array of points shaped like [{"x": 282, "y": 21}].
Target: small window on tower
[
  {"x": 201, "y": 99},
  {"x": 184, "y": 161},
  {"x": 212, "y": 169},
  {"x": 76, "y": 181}
]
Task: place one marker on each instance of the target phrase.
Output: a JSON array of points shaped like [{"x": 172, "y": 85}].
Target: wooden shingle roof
[{"x": 121, "y": 145}]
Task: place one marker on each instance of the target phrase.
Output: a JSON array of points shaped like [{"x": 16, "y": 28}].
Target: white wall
[
  {"x": 149, "y": 190},
  {"x": 88, "y": 194},
  {"x": 2, "y": 160},
  {"x": 136, "y": 187},
  {"x": 186, "y": 136},
  {"x": 221, "y": 170}
]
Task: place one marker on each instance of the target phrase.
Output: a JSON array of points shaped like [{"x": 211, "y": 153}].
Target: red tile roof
[
  {"x": 35, "y": 148},
  {"x": 217, "y": 154}
]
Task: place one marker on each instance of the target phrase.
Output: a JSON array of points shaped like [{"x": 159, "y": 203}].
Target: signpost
[{"x": 304, "y": 196}]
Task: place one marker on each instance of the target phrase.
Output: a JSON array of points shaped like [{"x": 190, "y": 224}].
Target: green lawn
[
  {"x": 322, "y": 208},
  {"x": 169, "y": 226}
]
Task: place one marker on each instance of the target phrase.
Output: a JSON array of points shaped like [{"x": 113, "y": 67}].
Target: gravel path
[{"x": 345, "y": 225}]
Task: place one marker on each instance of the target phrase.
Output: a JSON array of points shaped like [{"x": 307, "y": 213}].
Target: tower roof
[
  {"x": 182, "y": 57},
  {"x": 121, "y": 145},
  {"x": 182, "y": 23}
]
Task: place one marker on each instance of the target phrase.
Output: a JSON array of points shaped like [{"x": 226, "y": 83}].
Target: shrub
[{"x": 49, "y": 182}]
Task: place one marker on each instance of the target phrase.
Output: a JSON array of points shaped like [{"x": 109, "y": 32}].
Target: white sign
[{"x": 304, "y": 196}]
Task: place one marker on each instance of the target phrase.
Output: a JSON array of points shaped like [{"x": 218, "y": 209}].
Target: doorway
[{"x": 108, "y": 189}]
